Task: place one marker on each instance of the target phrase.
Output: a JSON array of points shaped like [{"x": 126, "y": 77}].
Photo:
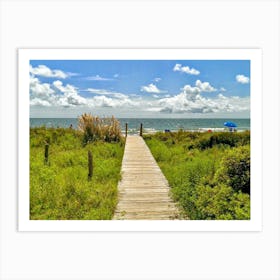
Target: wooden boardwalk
[{"x": 143, "y": 190}]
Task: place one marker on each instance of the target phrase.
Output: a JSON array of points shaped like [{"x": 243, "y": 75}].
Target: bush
[
  {"x": 235, "y": 169},
  {"x": 221, "y": 203},
  {"x": 207, "y": 140},
  {"x": 209, "y": 173}
]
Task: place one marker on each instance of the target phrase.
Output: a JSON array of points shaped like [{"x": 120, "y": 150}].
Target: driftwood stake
[
  {"x": 126, "y": 130},
  {"x": 90, "y": 165}
]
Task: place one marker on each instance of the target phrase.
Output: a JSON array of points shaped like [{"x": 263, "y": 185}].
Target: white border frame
[{"x": 254, "y": 55}]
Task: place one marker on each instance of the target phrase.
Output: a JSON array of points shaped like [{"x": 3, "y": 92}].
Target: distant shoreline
[
  {"x": 152, "y": 125},
  {"x": 136, "y": 118}
]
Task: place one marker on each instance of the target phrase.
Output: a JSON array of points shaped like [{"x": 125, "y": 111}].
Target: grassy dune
[
  {"x": 209, "y": 173},
  {"x": 60, "y": 189}
]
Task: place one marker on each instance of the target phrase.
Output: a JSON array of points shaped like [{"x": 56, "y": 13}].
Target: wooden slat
[{"x": 143, "y": 190}]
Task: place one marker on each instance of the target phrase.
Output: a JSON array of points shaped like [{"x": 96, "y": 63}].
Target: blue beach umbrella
[{"x": 230, "y": 124}]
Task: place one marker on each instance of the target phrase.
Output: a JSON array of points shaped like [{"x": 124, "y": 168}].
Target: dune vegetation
[
  {"x": 61, "y": 187},
  {"x": 209, "y": 173}
]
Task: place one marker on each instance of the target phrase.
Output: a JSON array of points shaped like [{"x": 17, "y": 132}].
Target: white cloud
[
  {"x": 39, "y": 102},
  {"x": 59, "y": 95},
  {"x": 157, "y": 79},
  {"x": 151, "y": 88},
  {"x": 98, "y": 91},
  {"x": 222, "y": 89},
  {"x": 190, "y": 101},
  {"x": 116, "y": 75},
  {"x": 44, "y": 71},
  {"x": 70, "y": 95},
  {"x": 55, "y": 94},
  {"x": 107, "y": 93},
  {"x": 185, "y": 69},
  {"x": 205, "y": 87},
  {"x": 39, "y": 90},
  {"x": 104, "y": 101},
  {"x": 193, "y": 92},
  {"x": 98, "y": 78},
  {"x": 242, "y": 79},
  {"x": 221, "y": 96}
]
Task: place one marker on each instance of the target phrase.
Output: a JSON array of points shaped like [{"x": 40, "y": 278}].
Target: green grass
[
  {"x": 209, "y": 173},
  {"x": 60, "y": 189}
]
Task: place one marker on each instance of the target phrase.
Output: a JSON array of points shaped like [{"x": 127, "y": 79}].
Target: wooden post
[
  {"x": 141, "y": 129},
  {"x": 46, "y": 153},
  {"x": 126, "y": 130},
  {"x": 90, "y": 165}
]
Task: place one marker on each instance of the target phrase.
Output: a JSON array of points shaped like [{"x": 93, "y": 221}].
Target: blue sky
[{"x": 140, "y": 88}]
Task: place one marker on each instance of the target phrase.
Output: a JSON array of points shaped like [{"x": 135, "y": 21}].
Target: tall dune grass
[{"x": 96, "y": 128}]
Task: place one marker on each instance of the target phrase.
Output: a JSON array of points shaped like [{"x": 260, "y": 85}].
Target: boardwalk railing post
[
  {"x": 126, "y": 130},
  {"x": 47, "y": 145},
  {"x": 141, "y": 129},
  {"x": 90, "y": 165},
  {"x": 46, "y": 153}
]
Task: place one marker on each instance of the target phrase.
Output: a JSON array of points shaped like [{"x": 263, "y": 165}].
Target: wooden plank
[{"x": 143, "y": 190}]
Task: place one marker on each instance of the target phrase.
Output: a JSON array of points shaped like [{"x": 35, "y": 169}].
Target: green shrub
[
  {"x": 235, "y": 169},
  {"x": 209, "y": 173},
  {"x": 221, "y": 203},
  {"x": 209, "y": 140}
]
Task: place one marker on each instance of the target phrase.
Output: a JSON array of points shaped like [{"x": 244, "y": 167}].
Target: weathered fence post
[
  {"x": 126, "y": 130},
  {"x": 46, "y": 153},
  {"x": 90, "y": 165},
  {"x": 141, "y": 129}
]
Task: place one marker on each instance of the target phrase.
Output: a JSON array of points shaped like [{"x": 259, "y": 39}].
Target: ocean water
[{"x": 151, "y": 125}]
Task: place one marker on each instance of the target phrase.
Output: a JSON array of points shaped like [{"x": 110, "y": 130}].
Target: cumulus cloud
[
  {"x": 39, "y": 102},
  {"x": 193, "y": 92},
  {"x": 151, "y": 88},
  {"x": 185, "y": 69},
  {"x": 222, "y": 89},
  {"x": 70, "y": 95},
  {"x": 205, "y": 87},
  {"x": 40, "y": 90},
  {"x": 157, "y": 79},
  {"x": 190, "y": 101},
  {"x": 44, "y": 71},
  {"x": 55, "y": 94},
  {"x": 187, "y": 103},
  {"x": 41, "y": 94},
  {"x": 104, "y": 101},
  {"x": 242, "y": 79},
  {"x": 221, "y": 96}
]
